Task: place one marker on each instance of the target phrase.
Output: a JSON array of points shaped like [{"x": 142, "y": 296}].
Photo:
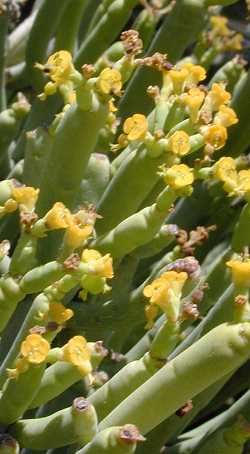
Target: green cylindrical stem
[
  {"x": 138, "y": 229},
  {"x": 219, "y": 352},
  {"x": 165, "y": 340},
  {"x": 111, "y": 441},
  {"x": 18, "y": 393},
  {"x": 77, "y": 424},
  {"x": 122, "y": 385},
  {"x": 39, "y": 306},
  {"x": 38, "y": 145},
  {"x": 68, "y": 28},
  {"x": 61, "y": 375},
  {"x": 62, "y": 177},
  {"x": 231, "y": 72},
  {"x": 241, "y": 236},
  {"x": 10, "y": 295},
  {"x": 40, "y": 35},
  {"x": 105, "y": 31},
  {"x": 57, "y": 378},
  {"x": 118, "y": 193},
  {"x": 24, "y": 256},
  {"x": 42, "y": 276},
  {"x": 95, "y": 180},
  {"x": 3, "y": 41}
]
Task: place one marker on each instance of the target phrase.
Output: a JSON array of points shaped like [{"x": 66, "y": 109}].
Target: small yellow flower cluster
[
  {"x": 34, "y": 351},
  {"x": 178, "y": 177},
  {"x": 234, "y": 182},
  {"x": 176, "y": 80},
  {"x": 76, "y": 352},
  {"x": 222, "y": 37},
  {"x": 78, "y": 227},
  {"x": 217, "y": 117},
  {"x": 164, "y": 293},
  {"x": 58, "y": 313},
  {"x": 240, "y": 272},
  {"x": 109, "y": 82},
  {"x": 63, "y": 75},
  {"x": 24, "y": 196},
  {"x": 100, "y": 269}
]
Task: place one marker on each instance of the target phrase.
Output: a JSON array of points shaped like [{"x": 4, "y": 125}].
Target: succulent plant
[{"x": 124, "y": 228}]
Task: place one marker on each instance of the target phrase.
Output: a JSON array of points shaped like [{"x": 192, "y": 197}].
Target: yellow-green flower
[
  {"x": 59, "y": 313},
  {"x": 179, "y": 143},
  {"x": 135, "y": 127},
  {"x": 215, "y": 136},
  {"x": 179, "y": 176},
  {"x": 76, "y": 352},
  {"x": 164, "y": 292},
  {"x": 25, "y": 196},
  {"x": 58, "y": 217},
  {"x": 102, "y": 266},
  {"x": 35, "y": 349},
  {"x": 226, "y": 117},
  {"x": 109, "y": 81}
]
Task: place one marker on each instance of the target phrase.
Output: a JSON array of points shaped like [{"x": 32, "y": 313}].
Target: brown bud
[
  {"x": 129, "y": 434},
  {"x": 185, "y": 409},
  {"x": 72, "y": 262}
]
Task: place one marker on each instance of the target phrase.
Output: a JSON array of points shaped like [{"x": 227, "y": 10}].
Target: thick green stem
[
  {"x": 215, "y": 355},
  {"x": 105, "y": 31},
  {"x": 3, "y": 36},
  {"x": 77, "y": 424}
]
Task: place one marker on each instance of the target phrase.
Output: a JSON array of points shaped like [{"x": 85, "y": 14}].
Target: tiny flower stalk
[
  {"x": 116, "y": 440},
  {"x": 76, "y": 424}
]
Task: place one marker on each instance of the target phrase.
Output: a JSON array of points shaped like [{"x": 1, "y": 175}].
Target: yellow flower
[
  {"x": 179, "y": 176},
  {"x": 58, "y": 217},
  {"x": 110, "y": 81},
  {"x": 102, "y": 265},
  {"x": 25, "y": 196},
  {"x": 225, "y": 171},
  {"x": 178, "y": 79},
  {"x": 244, "y": 181},
  {"x": 217, "y": 96},
  {"x": 59, "y": 66},
  {"x": 219, "y": 25},
  {"x": 80, "y": 227},
  {"x": 215, "y": 135},
  {"x": 59, "y": 313},
  {"x": 136, "y": 127},
  {"x": 226, "y": 117},
  {"x": 196, "y": 73},
  {"x": 235, "y": 43},
  {"x": 35, "y": 349},
  {"x": 10, "y": 206},
  {"x": 179, "y": 143},
  {"x": 240, "y": 272},
  {"x": 193, "y": 101},
  {"x": 62, "y": 73},
  {"x": 165, "y": 291},
  {"x": 76, "y": 352}
]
